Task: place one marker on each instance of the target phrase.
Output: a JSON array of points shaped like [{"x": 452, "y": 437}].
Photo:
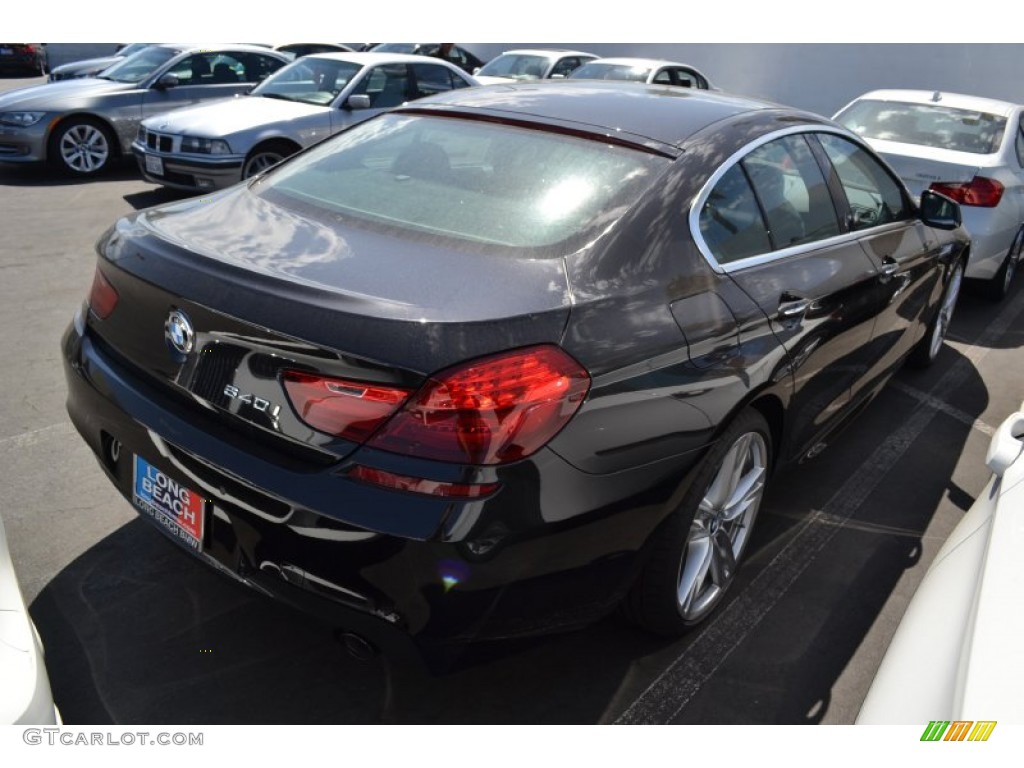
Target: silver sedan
[
  {"x": 216, "y": 145},
  {"x": 82, "y": 125}
]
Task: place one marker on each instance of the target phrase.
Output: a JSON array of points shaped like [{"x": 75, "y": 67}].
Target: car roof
[
  {"x": 632, "y": 61},
  {"x": 946, "y": 99},
  {"x": 660, "y": 117},
  {"x": 552, "y": 52},
  {"x": 194, "y": 48}
]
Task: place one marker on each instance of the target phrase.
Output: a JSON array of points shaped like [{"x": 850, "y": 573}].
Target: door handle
[
  {"x": 792, "y": 308},
  {"x": 889, "y": 268}
]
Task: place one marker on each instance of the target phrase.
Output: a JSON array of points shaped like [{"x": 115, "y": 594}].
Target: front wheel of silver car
[
  {"x": 81, "y": 147},
  {"x": 266, "y": 156},
  {"x": 697, "y": 550}
]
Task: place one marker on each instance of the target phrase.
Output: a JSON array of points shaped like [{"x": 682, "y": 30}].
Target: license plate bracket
[{"x": 178, "y": 509}]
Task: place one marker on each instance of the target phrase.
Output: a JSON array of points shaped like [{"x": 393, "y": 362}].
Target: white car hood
[{"x": 232, "y": 115}]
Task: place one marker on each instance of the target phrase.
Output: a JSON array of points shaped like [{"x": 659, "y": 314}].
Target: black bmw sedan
[{"x": 506, "y": 359}]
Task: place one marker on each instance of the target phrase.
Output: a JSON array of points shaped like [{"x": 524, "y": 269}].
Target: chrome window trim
[{"x": 782, "y": 253}]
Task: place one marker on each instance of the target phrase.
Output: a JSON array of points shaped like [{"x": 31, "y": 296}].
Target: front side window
[
  {"x": 387, "y": 86},
  {"x": 309, "y": 80},
  {"x": 873, "y": 195},
  {"x": 433, "y": 78}
]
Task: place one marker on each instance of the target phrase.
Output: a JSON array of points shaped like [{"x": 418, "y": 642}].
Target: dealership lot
[{"x": 136, "y": 632}]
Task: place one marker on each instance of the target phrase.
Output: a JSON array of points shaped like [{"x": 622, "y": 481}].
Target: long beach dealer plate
[{"x": 177, "y": 508}]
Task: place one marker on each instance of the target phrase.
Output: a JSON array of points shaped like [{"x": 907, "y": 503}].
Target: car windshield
[
  {"x": 465, "y": 180},
  {"x": 596, "y": 70},
  {"x": 930, "y": 125},
  {"x": 520, "y": 66},
  {"x": 140, "y": 66},
  {"x": 309, "y": 80},
  {"x": 132, "y": 48}
]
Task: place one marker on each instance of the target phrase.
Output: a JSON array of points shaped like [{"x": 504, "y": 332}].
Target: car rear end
[
  {"x": 23, "y": 58},
  {"x": 958, "y": 146},
  {"x": 354, "y": 412}
]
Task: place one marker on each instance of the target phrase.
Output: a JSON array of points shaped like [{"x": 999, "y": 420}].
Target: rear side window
[
  {"x": 774, "y": 198},
  {"x": 874, "y": 196},
  {"x": 433, "y": 78}
]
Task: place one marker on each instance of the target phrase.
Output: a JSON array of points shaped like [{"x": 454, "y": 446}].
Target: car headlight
[
  {"x": 205, "y": 146},
  {"x": 21, "y": 119}
]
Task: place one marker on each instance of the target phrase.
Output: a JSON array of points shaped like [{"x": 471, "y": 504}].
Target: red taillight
[
  {"x": 102, "y": 296},
  {"x": 419, "y": 485},
  {"x": 979, "y": 191},
  {"x": 490, "y": 411},
  {"x": 349, "y": 409}
]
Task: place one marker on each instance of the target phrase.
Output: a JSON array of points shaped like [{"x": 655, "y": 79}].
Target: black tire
[
  {"x": 266, "y": 156},
  {"x": 696, "y": 550},
  {"x": 82, "y": 147},
  {"x": 997, "y": 288},
  {"x": 928, "y": 348}
]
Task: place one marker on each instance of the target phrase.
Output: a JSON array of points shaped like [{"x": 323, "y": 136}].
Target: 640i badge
[{"x": 177, "y": 508}]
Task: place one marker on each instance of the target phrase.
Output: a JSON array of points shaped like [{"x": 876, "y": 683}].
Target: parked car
[
  {"x": 304, "y": 49},
  {"x": 92, "y": 67},
  {"x": 654, "y": 71},
  {"x": 25, "y": 695},
  {"x": 81, "y": 126},
  {"x": 967, "y": 147},
  {"x": 531, "y": 64},
  {"x": 497, "y": 361},
  {"x": 212, "y": 146},
  {"x": 956, "y": 654},
  {"x": 456, "y": 54},
  {"x": 23, "y": 58}
]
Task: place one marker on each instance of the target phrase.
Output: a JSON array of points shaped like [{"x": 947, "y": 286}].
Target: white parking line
[
  {"x": 672, "y": 690},
  {"x": 34, "y": 435},
  {"x": 940, "y": 405}
]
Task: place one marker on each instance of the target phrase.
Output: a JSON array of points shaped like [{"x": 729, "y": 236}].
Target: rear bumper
[{"x": 554, "y": 549}]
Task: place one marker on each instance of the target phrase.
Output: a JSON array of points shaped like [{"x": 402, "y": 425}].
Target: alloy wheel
[
  {"x": 84, "y": 148},
  {"x": 721, "y": 528}
]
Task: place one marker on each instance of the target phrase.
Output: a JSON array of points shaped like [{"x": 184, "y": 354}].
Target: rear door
[{"x": 770, "y": 222}]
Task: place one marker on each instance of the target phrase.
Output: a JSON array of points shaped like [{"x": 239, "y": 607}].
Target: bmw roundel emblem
[{"x": 179, "y": 332}]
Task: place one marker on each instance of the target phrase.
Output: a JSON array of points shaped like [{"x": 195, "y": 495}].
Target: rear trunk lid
[
  {"x": 921, "y": 166},
  {"x": 266, "y": 290}
]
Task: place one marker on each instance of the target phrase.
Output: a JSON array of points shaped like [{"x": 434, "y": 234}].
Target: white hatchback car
[
  {"x": 966, "y": 147},
  {"x": 957, "y": 653}
]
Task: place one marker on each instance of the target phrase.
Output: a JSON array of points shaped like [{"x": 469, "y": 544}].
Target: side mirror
[
  {"x": 940, "y": 211},
  {"x": 167, "y": 81},
  {"x": 557, "y": 77},
  {"x": 358, "y": 101},
  {"x": 476, "y": 70}
]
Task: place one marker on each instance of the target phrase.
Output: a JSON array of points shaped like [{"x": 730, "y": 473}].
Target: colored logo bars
[{"x": 959, "y": 730}]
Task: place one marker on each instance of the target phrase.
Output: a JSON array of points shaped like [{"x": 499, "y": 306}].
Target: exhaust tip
[{"x": 357, "y": 645}]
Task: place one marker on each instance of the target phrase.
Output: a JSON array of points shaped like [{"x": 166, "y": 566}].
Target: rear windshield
[
  {"x": 930, "y": 125},
  {"x": 469, "y": 180},
  {"x": 521, "y": 66}
]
